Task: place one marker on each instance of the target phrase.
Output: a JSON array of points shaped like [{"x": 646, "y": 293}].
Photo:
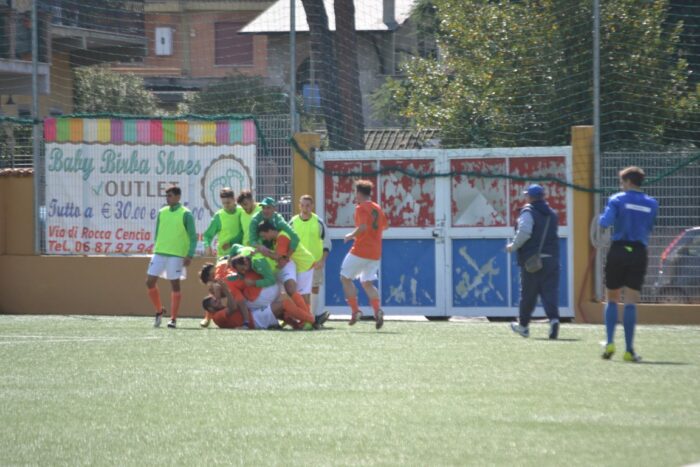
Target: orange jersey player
[
  {"x": 226, "y": 308},
  {"x": 363, "y": 259}
]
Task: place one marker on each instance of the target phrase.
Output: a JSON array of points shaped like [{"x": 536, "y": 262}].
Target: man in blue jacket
[
  {"x": 631, "y": 214},
  {"x": 535, "y": 235}
]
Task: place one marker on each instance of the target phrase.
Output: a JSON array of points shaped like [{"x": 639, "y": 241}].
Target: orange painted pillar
[
  {"x": 304, "y": 174},
  {"x": 582, "y": 164}
]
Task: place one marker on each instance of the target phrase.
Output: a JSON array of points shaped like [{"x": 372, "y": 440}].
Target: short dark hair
[
  {"x": 226, "y": 193},
  {"x": 364, "y": 187},
  {"x": 634, "y": 174},
  {"x": 205, "y": 272},
  {"x": 266, "y": 226},
  {"x": 238, "y": 259},
  {"x": 173, "y": 189},
  {"x": 244, "y": 195}
]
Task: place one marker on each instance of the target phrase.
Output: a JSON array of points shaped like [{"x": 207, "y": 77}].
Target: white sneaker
[{"x": 518, "y": 329}]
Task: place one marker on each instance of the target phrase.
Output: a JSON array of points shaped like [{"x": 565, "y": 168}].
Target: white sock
[{"x": 315, "y": 304}]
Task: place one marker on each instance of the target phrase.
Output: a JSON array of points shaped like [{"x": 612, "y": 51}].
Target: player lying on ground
[
  {"x": 257, "y": 286},
  {"x": 220, "y": 305}
]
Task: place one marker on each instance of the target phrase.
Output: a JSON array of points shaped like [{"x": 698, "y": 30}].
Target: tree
[
  {"x": 98, "y": 89},
  {"x": 238, "y": 94},
  {"x": 340, "y": 97},
  {"x": 520, "y": 73},
  {"x": 353, "y": 128}
]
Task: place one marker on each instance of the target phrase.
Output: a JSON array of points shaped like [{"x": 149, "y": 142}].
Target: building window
[
  {"x": 164, "y": 41},
  {"x": 231, "y": 48}
]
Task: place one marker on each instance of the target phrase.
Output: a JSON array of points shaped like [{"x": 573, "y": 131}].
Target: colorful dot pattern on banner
[{"x": 149, "y": 131}]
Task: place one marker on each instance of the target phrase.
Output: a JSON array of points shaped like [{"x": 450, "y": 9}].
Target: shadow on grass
[
  {"x": 561, "y": 339},
  {"x": 651, "y": 362},
  {"x": 375, "y": 331}
]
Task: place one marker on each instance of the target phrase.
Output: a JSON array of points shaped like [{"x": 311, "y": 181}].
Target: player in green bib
[
  {"x": 268, "y": 213},
  {"x": 295, "y": 264},
  {"x": 312, "y": 234},
  {"x": 175, "y": 244},
  {"x": 249, "y": 208},
  {"x": 226, "y": 225}
]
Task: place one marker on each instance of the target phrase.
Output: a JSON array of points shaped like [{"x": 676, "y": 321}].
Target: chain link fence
[
  {"x": 15, "y": 145},
  {"x": 673, "y": 273},
  {"x": 274, "y": 177}
]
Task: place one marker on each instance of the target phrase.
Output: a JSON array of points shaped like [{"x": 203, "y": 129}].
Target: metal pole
[
  {"x": 292, "y": 67},
  {"x": 596, "y": 135},
  {"x": 36, "y": 147}
]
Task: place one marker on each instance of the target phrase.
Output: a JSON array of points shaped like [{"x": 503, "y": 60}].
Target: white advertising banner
[{"x": 103, "y": 199}]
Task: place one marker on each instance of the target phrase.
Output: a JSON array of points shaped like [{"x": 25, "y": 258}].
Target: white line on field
[{"x": 33, "y": 339}]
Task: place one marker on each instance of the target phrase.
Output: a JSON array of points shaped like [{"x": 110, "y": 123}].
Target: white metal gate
[{"x": 451, "y": 214}]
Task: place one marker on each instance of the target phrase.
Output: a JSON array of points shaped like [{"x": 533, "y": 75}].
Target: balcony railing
[{"x": 120, "y": 17}]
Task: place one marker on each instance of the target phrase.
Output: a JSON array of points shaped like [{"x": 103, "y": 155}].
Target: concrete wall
[{"x": 72, "y": 285}]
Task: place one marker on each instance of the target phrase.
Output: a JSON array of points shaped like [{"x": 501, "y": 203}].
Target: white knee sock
[{"x": 315, "y": 305}]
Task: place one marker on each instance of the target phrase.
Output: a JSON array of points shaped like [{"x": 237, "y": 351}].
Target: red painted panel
[
  {"x": 408, "y": 201},
  {"x": 555, "y": 194},
  {"x": 339, "y": 190},
  {"x": 479, "y": 201}
]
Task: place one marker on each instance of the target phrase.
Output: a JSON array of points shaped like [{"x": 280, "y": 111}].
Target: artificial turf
[{"x": 113, "y": 390}]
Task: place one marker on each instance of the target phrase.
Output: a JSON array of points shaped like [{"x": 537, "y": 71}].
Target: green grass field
[{"x": 102, "y": 390}]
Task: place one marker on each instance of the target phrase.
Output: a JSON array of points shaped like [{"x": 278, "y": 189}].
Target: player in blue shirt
[{"x": 631, "y": 214}]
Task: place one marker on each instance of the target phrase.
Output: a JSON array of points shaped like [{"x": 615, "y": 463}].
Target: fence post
[
  {"x": 582, "y": 167},
  {"x": 304, "y": 179}
]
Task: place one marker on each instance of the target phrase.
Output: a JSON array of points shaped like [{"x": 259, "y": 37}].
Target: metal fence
[
  {"x": 274, "y": 177},
  {"x": 15, "y": 145},
  {"x": 676, "y": 280}
]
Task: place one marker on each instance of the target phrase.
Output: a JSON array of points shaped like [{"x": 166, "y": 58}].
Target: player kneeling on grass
[
  {"x": 216, "y": 273},
  {"x": 295, "y": 265},
  {"x": 220, "y": 305},
  {"x": 257, "y": 285}
]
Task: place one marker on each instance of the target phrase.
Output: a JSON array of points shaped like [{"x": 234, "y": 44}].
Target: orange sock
[
  {"x": 301, "y": 303},
  {"x": 154, "y": 295},
  {"x": 297, "y": 312},
  {"x": 375, "y": 305},
  {"x": 290, "y": 310},
  {"x": 174, "y": 304},
  {"x": 352, "y": 301}
]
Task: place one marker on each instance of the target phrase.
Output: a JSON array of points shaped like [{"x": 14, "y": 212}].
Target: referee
[{"x": 631, "y": 213}]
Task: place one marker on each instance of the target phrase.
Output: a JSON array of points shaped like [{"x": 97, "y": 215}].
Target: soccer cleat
[
  {"x": 554, "y": 330},
  {"x": 355, "y": 318},
  {"x": 609, "y": 351},
  {"x": 205, "y": 323},
  {"x": 322, "y": 318},
  {"x": 172, "y": 324},
  {"x": 307, "y": 327},
  {"x": 518, "y": 329},
  {"x": 632, "y": 357},
  {"x": 379, "y": 317},
  {"x": 159, "y": 318}
]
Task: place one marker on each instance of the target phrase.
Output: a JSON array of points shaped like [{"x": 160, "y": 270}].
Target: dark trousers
[{"x": 543, "y": 283}]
